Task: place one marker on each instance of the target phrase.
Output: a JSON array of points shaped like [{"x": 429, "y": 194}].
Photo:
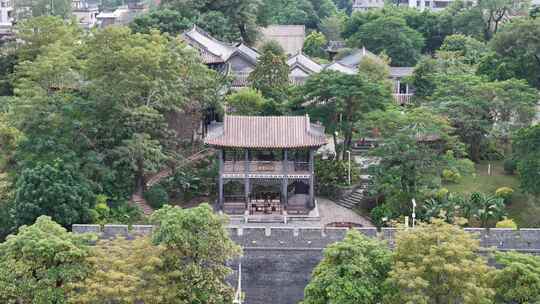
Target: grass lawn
[{"x": 523, "y": 209}]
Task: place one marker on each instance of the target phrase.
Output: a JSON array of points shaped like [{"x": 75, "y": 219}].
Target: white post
[
  {"x": 489, "y": 169},
  {"x": 407, "y": 222},
  {"x": 413, "y": 212},
  {"x": 349, "y": 171}
]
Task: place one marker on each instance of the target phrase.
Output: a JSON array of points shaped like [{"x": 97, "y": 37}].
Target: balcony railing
[
  {"x": 270, "y": 167},
  {"x": 403, "y": 99}
]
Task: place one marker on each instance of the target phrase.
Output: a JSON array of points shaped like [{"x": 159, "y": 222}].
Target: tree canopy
[
  {"x": 438, "y": 263},
  {"x": 39, "y": 262},
  {"x": 351, "y": 271}
]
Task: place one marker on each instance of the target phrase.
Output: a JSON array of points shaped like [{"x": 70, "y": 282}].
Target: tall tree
[
  {"x": 527, "y": 149},
  {"x": 517, "y": 52},
  {"x": 460, "y": 98},
  {"x": 351, "y": 271},
  {"x": 339, "y": 100},
  {"x": 271, "y": 74},
  {"x": 403, "y": 44},
  {"x": 314, "y": 45},
  {"x": 196, "y": 248},
  {"x": 40, "y": 261},
  {"x": 413, "y": 153},
  {"x": 55, "y": 190},
  {"x": 438, "y": 263}
]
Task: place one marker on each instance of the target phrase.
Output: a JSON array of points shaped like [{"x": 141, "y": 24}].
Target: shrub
[
  {"x": 451, "y": 176},
  {"x": 510, "y": 166},
  {"x": 441, "y": 193},
  {"x": 505, "y": 193},
  {"x": 156, "y": 196},
  {"x": 506, "y": 223},
  {"x": 381, "y": 214}
]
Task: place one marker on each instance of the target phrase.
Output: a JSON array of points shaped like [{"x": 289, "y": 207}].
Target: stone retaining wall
[
  {"x": 317, "y": 238},
  {"x": 278, "y": 262}
]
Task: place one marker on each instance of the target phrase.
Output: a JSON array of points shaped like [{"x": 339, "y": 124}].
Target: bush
[
  {"x": 451, "y": 176},
  {"x": 506, "y": 223},
  {"x": 510, "y": 166},
  {"x": 381, "y": 214},
  {"x": 441, "y": 193},
  {"x": 156, "y": 196},
  {"x": 331, "y": 174},
  {"x": 505, "y": 193}
]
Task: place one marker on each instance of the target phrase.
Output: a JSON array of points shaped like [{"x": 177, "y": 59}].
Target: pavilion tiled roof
[{"x": 266, "y": 132}]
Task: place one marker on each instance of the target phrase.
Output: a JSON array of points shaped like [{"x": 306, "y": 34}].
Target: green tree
[
  {"x": 196, "y": 248},
  {"x": 460, "y": 98},
  {"x": 471, "y": 49},
  {"x": 165, "y": 20},
  {"x": 513, "y": 106},
  {"x": 429, "y": 70},
  {"x": 36, "y": 34},
  {"x": 246, "y": 102},
  {"x": 340, "y": 100},
  {"x": 403, "y": 44},
  {"x": 40, "y": 261},
  {"x": 516, "y": 52},
  {"x": 122, "y": 271},
  {"x": 438, "y": 263},
  {"x": 519, "y": 279},
  {"x": 526, "y": 147},
  {"x": 332, "y": 27},
  {"x": 412, "y": 156},
  {"x": 351, "y": 271},
  {"x": 271, "y": 74},
  {"x": 314, "y": 45},
  {"x": 55, "y": 190}
]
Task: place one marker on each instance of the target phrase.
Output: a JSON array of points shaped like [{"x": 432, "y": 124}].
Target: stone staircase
[
  {"x": 355, "y": 198},
  {"x": 138, "y": 200}
]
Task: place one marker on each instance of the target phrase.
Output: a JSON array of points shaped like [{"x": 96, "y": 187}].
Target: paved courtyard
[{"x": 329, "y": 212}]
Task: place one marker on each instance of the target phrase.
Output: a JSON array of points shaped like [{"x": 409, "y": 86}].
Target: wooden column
[
  {"x": 285, "y": 181},
  {"x": 220, "y": 182},
  {"x": 311, "y": 178},
  {"x": 246, "y": 176}
]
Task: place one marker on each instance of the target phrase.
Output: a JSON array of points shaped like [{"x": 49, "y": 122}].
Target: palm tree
[{"x": 487, "y": 207}]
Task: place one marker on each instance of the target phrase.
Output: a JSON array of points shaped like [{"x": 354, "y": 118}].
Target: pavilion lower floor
[{"x": 267, "y": 197}]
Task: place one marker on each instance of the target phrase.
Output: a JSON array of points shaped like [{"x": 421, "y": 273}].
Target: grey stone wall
[{"x": 278, "y": 262}]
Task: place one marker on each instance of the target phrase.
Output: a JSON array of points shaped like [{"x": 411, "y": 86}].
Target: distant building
[
  {"x": 6, "y": 17},
  {"x": 289, "y": 37},
  {"x": 85, "y": 12},
  {"x": 435, "y": 5},
  {"x": 123, "y": 15},
  {"x": 364, "y": 5}
]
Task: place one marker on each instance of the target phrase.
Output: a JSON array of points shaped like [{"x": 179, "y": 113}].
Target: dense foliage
[
  {"x": 352, "y": 271},
  {"x": 438, "y": 263},
  {"x": 40, "y": 261}
]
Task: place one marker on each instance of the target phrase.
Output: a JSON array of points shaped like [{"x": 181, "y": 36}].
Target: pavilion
[{"x": 266, "y": 163}]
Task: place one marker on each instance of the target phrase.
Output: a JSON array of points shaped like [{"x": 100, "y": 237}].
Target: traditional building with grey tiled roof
[{"x": 266, "y": 165}]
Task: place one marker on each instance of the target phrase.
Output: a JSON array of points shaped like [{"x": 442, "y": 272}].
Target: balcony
[
  {"x": 403, "y": 99},
  {"x": 265, "y": 169}
]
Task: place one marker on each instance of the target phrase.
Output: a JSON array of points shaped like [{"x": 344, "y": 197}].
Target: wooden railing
[
  {"x": 403, "y": 99},
  {"x": 265, "y": 166}
]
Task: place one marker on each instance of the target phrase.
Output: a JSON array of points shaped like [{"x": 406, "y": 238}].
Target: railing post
[
  {"x": 285, "y": 181},
  {"x": 311, "y": 181},
  {"x": 220, "y": 181},
  {"x": 246, "y": 176}
]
